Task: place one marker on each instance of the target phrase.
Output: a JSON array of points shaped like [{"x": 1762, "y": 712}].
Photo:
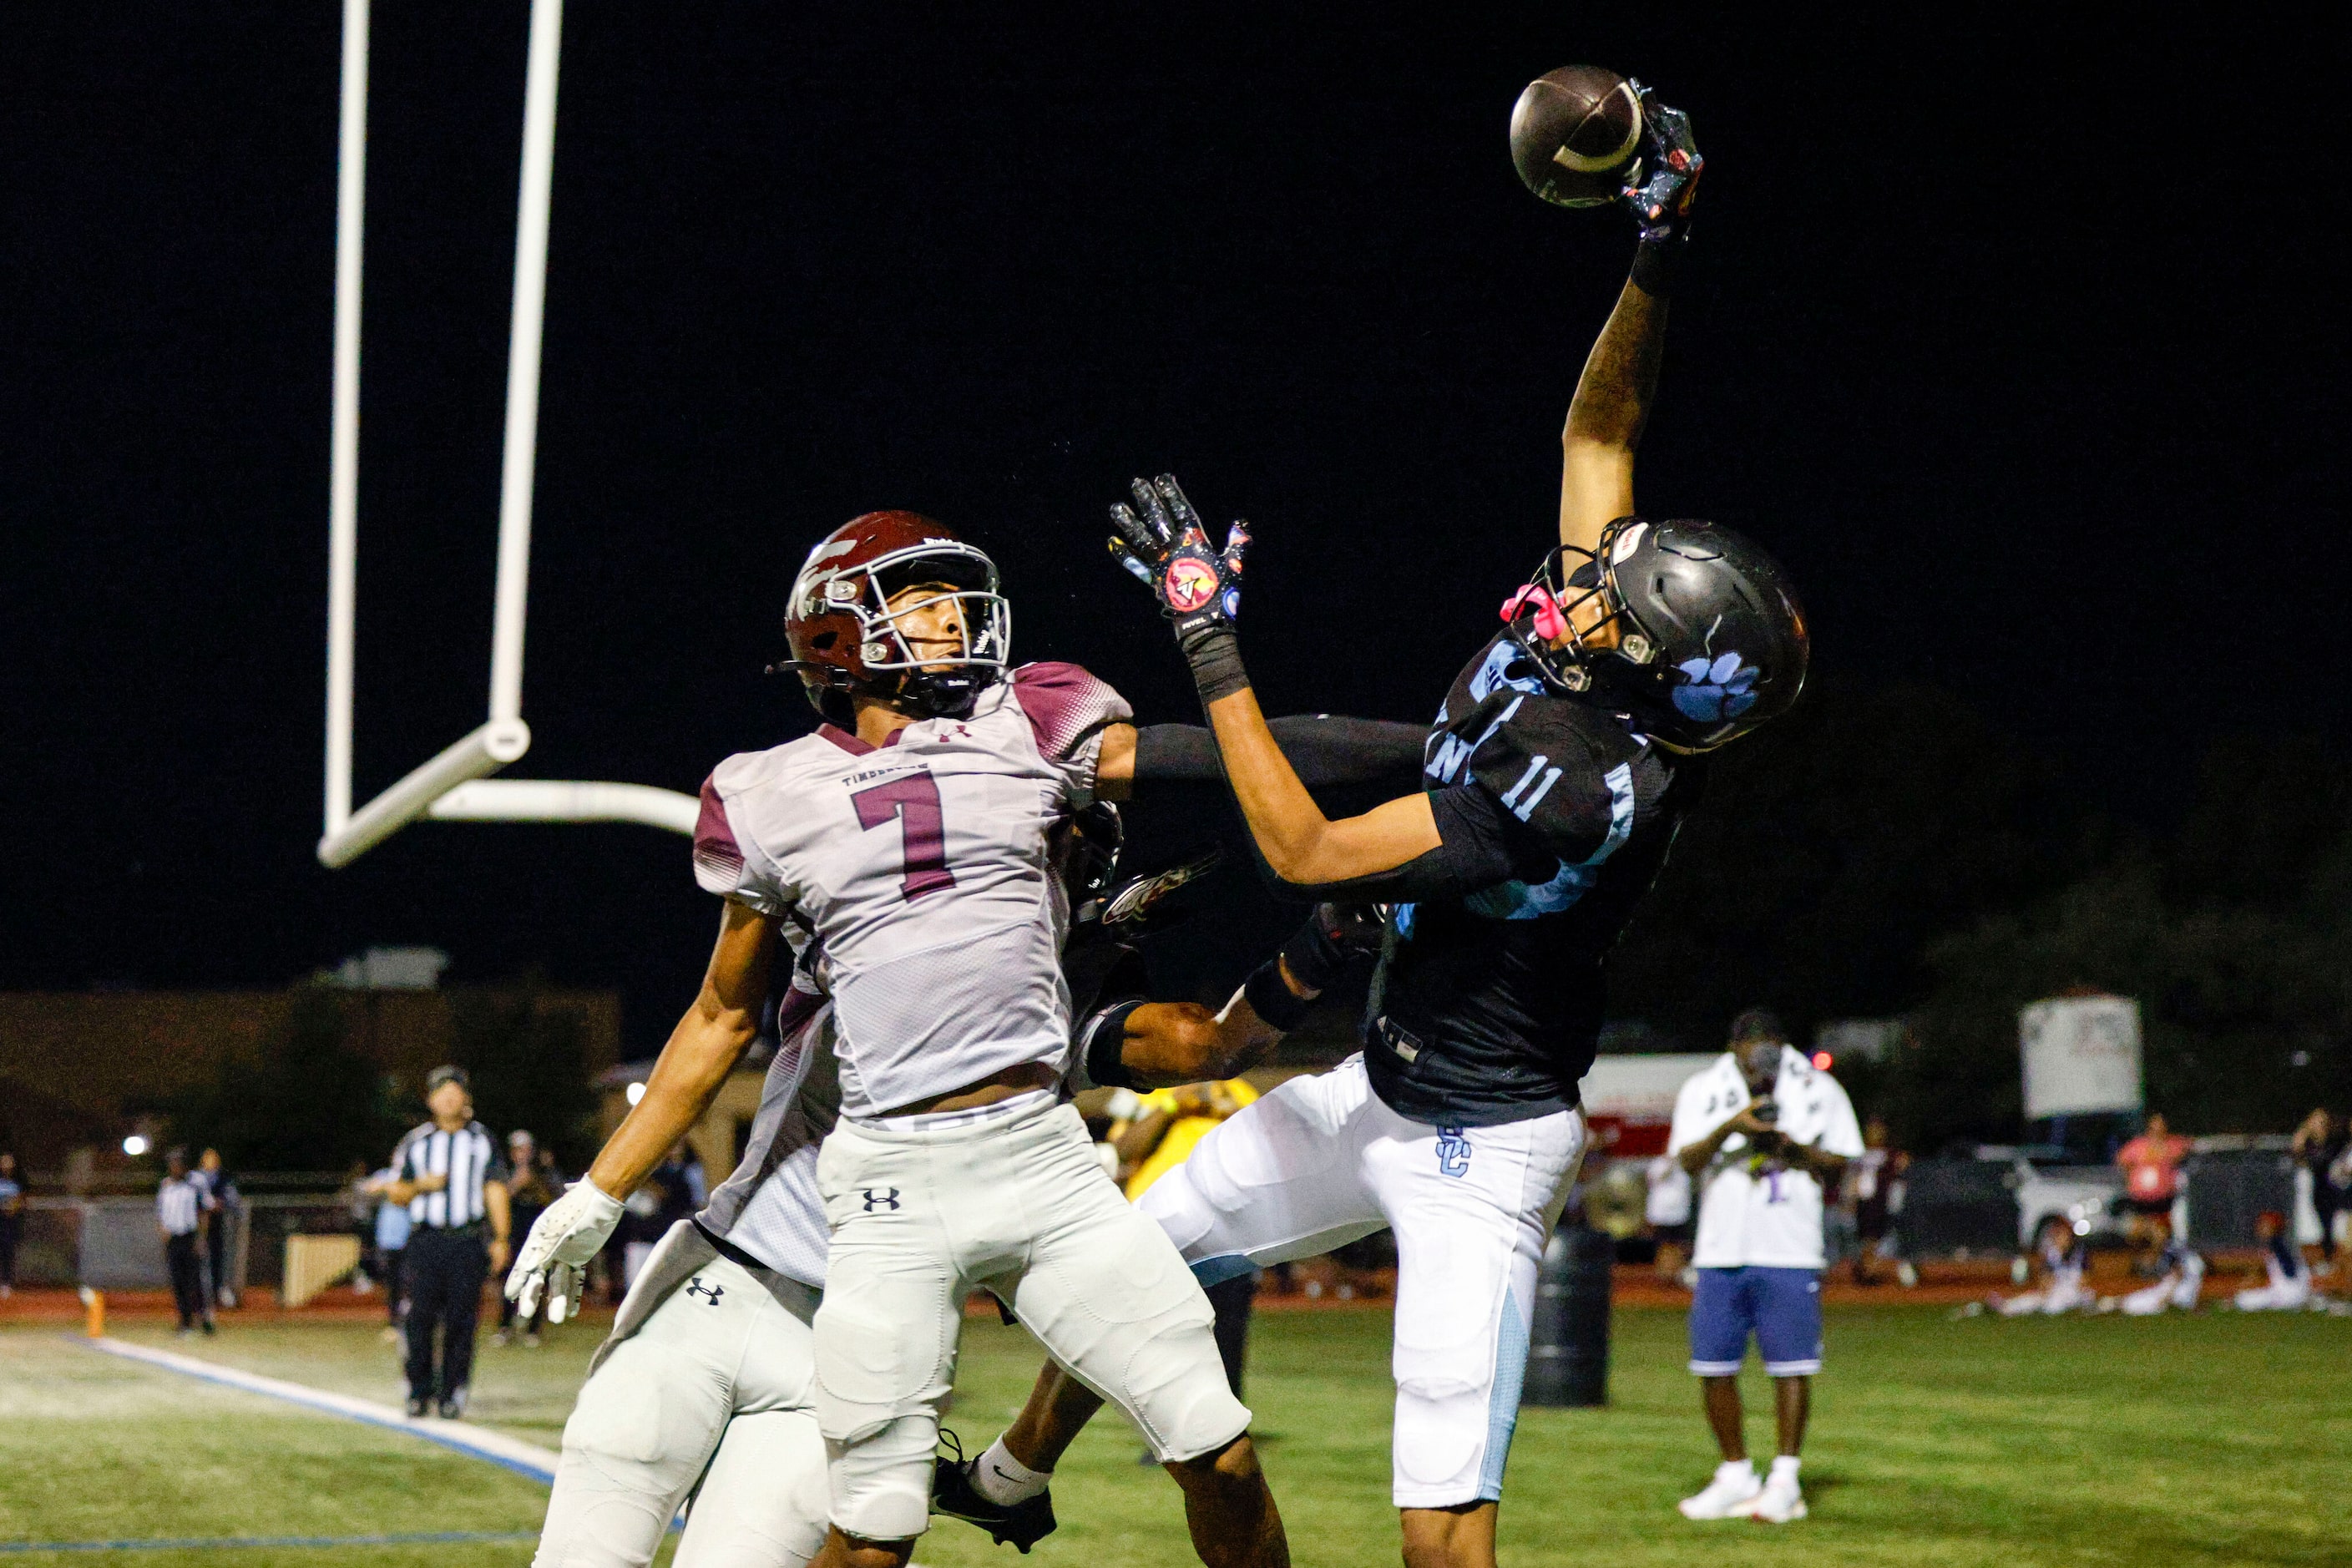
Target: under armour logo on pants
[
  {"x": 881, "y": 1198},
  {"x": 696, "y": 1287}
]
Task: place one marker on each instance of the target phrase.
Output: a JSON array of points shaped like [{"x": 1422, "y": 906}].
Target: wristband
[
  {"x": 1656, "y": 262},
  {"x": 1106, "y": 1041},
  {"x": 1272, "y": 999},
  {"x": 1216, "y": 658}
]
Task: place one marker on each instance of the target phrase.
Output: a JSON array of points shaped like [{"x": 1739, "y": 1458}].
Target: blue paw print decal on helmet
[{"x": 1723, "y": 690}]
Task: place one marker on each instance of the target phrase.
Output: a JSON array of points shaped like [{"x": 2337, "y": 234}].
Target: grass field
[{"x": 2217, "y": 1439}]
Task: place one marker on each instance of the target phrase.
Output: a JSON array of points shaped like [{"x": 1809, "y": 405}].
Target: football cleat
[{"x": 1024, "y": 1523}]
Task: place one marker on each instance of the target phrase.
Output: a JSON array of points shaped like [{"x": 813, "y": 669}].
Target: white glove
[{"x": 554, "y": 1257}]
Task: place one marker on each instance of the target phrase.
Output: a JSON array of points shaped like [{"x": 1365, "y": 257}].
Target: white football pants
[
  {"x": 1322, "y": 1161},
  {"x": 924, "y": 1211},
  {"x": 717, "y": 1388}
]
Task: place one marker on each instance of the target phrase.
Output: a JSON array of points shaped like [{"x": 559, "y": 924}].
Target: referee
[
  {"x": 449, "y": 1173},
  {"x": 180, "y": 1217}
]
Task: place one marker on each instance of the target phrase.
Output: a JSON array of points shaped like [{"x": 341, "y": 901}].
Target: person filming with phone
[{"x": 1764, "y": 1135}]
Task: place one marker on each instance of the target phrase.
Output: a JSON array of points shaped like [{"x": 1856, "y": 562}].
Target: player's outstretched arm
[
  {"x": 701, "y": 1051},
  {"x": 1620, "y": 383}
]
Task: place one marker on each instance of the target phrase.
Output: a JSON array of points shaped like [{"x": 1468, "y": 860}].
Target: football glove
[
  {"x": 554, "y": 1257},
  {"x": 1334, "y": 936},
  {"x": 1163, "y": 545},
  {"x": 1663, "y": 181}
]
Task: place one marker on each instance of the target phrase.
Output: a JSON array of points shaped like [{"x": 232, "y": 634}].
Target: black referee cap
[{"x": 446, "y": 1073}]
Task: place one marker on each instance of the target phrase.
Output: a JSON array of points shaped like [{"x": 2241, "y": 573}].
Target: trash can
[{"x": 1568, "y": 1351}]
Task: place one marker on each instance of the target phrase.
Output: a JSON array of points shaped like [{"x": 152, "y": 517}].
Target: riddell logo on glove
[{"x": 1191, "y": 584}]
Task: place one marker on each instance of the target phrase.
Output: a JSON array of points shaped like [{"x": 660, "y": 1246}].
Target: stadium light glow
[
  {"x": 134, "y": 1146},
  {"x": 635, "y": 1092},
  {"x": 1821, "y": 1059}
]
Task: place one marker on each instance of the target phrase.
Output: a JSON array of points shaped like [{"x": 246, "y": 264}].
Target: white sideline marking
[{"x": 509, "y": 1453}]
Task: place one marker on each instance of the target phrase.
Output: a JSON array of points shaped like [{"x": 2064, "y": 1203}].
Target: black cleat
[
  {"x": 1023, "y": 1523},
  {"x": 417, "y": 1409},
  {"x": 453, "y": 1404}
]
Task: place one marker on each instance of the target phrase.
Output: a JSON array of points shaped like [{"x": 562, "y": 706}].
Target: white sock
[
  {"x": 1785, "y": 1469},
  {"x": 1005, "y": 1480},
  {"x": 1732, "y": 1469}
]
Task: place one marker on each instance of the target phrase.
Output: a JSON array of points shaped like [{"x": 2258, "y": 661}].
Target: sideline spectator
[
  {"x": 2151, "y": 1167},
  {"x": 2063, "y": 1290},
  {"x": 2289, "y": 1289},
  {"x": 2319, "y": 1143},
  {"x": 534, "y": 1184},
  {"x": 180, "y": 1219},
  {"x": 1766, "y": 1134},
  {"x": 1874, "y": 1184},
  {"x": 2180, "y": 1284},
  {"x": 1159, "y": 1133},
  {"x": 451, "y": 1174},
  {"x": 1666, "y": 1210},
  {"x": 223, "y": 1203},
  {"x": 392, "y": 1231},
  {"x": 12, "y": 1222}
]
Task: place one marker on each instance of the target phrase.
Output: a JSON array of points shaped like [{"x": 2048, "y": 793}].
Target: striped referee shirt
[
  {"x": 469, "y": 1157},
  {"x": 177, "y": 1205}
]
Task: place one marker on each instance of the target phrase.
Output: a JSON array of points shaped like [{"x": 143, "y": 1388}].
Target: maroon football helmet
[{"x": 844, "y": 637}]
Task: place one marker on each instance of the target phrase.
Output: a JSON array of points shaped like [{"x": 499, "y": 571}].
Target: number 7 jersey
[{"x": 922, "y": 869}]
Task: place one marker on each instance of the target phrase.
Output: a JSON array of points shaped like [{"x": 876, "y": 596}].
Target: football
[{"x": 1573, "y": 133}]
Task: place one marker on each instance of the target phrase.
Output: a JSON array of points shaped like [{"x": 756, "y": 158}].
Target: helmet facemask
[
  {"x": 1545, "y": 616},
  {"x": 937, "y": 685}
]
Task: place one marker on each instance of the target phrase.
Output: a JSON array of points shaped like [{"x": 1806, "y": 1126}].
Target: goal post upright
[{"x": 455, "y": 785}]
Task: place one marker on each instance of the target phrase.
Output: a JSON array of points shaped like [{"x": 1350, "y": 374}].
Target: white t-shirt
[
  {"x": 1762, "y": 1218},
  {"x": 923, "y": 869}
]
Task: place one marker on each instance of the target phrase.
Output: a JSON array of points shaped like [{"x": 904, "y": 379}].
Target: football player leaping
[{"x": 1565, "y": 756}]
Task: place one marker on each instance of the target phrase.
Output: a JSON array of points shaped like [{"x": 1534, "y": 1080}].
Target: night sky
[{"x": 2022, "y": 347}]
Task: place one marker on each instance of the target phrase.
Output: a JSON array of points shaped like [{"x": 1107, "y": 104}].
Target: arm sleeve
[
  {"x": 1324, "y": 749},
  {"x": 1479, "y": 845}
]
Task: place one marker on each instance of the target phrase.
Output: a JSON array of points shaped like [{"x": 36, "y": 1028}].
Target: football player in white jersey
[
  {"x": 912, "y": 839},
  {"x": 705, "y": 1386}
]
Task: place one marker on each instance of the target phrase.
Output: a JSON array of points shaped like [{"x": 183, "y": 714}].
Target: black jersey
[{"x": 1487, "y": 1004}]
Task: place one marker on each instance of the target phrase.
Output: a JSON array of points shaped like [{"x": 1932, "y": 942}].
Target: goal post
[{"x": 455, "y": 785}]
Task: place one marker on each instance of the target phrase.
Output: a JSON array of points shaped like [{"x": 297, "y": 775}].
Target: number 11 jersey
[{"x": 922, "y": 868}]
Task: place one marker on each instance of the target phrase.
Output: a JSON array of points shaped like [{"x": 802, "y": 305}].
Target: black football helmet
[{"x": 1711, "y": 640}]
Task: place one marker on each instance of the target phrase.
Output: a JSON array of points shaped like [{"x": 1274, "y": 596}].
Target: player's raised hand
[
  {"x": 1161, "y": 542},
  {"x": 554, "y": 1257},
  {"x": 1663, "y": 181}
]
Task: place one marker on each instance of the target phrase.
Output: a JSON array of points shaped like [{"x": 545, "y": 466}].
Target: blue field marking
[{"x": 232, "y": 1543}]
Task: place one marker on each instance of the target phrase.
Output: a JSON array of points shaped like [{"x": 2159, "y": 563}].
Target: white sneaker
[
  {"x": 1781, "y": 1501},
  {"x": 1732, "y": 1491}
]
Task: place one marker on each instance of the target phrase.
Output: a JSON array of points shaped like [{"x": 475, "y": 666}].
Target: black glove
[
  {"x": 1198, "y": 588},
  {"x": 1659, "y": 190},
  {"x": 1333, "y": 936}
]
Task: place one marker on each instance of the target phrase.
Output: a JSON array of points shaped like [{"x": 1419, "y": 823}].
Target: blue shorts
[{"x": 1782, "y": 1307}]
